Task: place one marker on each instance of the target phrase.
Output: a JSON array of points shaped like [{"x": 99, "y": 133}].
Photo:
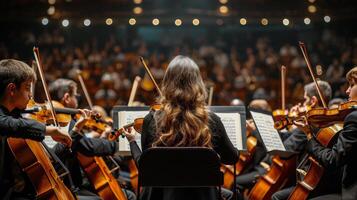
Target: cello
[
  {"x": 280, "y": 171},
  {"x": 97, "y": 171},
  {"x": 34, "y": 161}
]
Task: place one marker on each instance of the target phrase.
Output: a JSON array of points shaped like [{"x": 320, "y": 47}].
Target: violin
[
  {"x": 137, "y": 125},
  {"x": 42, "y": 113},
  {"x": 323, "y": 117}
]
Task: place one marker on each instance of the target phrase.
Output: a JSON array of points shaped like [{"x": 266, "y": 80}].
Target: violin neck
[{"x": 70, "y": 111}]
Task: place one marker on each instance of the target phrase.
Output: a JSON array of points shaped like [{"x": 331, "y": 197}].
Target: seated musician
[
  {"x": 183, "y": 120},
  {"x": 65, "y": 92},
  {"x": 342, "y": 154},
  {"x": 297, "y": 142},
  {"x": 16, "y": 78},
  {"x": 251, "y": 173}
]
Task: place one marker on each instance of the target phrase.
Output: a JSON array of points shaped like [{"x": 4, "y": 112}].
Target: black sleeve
[
  {"x": 92, "y": 146},
  {"x": 21, "y": 128},
  {"x": 296, "y": 141},
  {"x": 135, "y": 151},
  {"x": 342, "y": 151},
  {"x": 148, "y": 131},
  {"x": 221, "y": 143}
]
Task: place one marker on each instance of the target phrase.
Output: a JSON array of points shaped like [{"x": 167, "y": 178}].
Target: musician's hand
[
  {"x": 85, "y": 116},
  {"x": 303, "y": 125},
  {"x": 129, "y": 134},
  {"x": 59, "y": 135},
  {"x": 106, "y": 132}
]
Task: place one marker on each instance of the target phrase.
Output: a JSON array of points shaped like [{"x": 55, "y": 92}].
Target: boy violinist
[
  {"x": 65, "y": 92},
  {"x": 341, "y": 154},
  {"x": 16, "y": 78}
]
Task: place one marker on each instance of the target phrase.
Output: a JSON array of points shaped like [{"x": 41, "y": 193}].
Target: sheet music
[
  {"x": 269, "y": 135},
  {"x": 232, "y": 124},
  {"x": 127, "y": 117}
]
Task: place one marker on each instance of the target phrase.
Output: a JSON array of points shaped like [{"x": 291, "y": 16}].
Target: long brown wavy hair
[{"x": 183, "y": 118}]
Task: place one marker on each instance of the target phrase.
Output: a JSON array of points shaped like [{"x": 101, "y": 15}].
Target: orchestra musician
[
  {"x": 341, "y": 154},
  {"x": 297, "y": 141},
  {"x": 65, "y": 92},
  {"x": 183, "y": 97},
  {"x": 16, "y": 78}
]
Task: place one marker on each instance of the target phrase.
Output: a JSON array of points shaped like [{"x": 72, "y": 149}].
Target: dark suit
[
  {"x": 221, "y": 144},
  {"x": 341, "y": 155},
  {"x": 13, "y": 125}
]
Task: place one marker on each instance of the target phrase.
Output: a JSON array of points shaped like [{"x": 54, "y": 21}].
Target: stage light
[
  {"x": 312, "y": 1},
  {"x": 138, "y": 10},
  {"x": 312, "y": 8},
  {"x": 155, "y": 21},
  {"x": 178, "y": 22},
  {"x": 65, "y": 22},
  {"x": 286, "y": 22},
  {"x": 264, "y": 21},
  {"x": 327, "y": 19},
  {"x": 307, "y": 20},
  {"x": 51, "y": 2},
  {"x": 138, "y": 1},
  {"x": 243, "y": 21},
  {"x": 44, "y": 21},
  {"x": 51, "y": 10},
  {"x": 223, "y": 1},
  {"x": 86, "y": 22},
  {"x": 219, "y": 22},
  {"x": 132, "y": 21},
  {"x": 195, "y": 22},
  {"x": 223, "y": 9},
  {"x": 109, "y": 21}
]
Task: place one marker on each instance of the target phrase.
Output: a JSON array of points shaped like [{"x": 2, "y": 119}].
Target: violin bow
[
  {"x": 150, "y": 75},
  {"x": 283, "y": 76},
  {"x": 84, "y": 88},
  {"x": 210, "y": 95},
  {"x": 133, "y": 90},
  {"x": 304, "y": 53},
  {"x": 36, "y": 53}
]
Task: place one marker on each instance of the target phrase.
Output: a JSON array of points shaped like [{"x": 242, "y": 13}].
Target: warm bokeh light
[
  {"x": 264, "y": 21},
  {"x": 138, "y": 1},
  {"x": 312, "y": 8},
  {"x": 223, "y": 1},
  {"x": 51, "y": 10},
  {"x": 327, "y": 19},
  {"x": 223, "y": 9},
  {"x": 86, "y": 22},
  {"x": 65, "y": 22},
  {"x": 178, "y": 22},
  {"x": 195, "y": 22},
  {"x": 243, "y": 21},
  {"x": 286, "y": 22},
  {"x": 132, "y": 21},
  {"x": 44, "y": 21},
  {"x": 109, "y": 21},
  {"x": 138, "y": 10},
  {"x": 51, "y": 2},
  {"x": 155, "y": 21}
]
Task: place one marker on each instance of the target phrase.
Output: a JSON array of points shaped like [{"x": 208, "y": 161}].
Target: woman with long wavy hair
[{"x": 183, "y": 121}]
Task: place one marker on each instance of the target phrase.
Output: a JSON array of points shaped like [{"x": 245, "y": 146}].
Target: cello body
[
  {"x": 326, "y": 137},
  {"x": 279, "y": 174},
  {"x": 101, "y": 178},
  {"x": 244, "y": 160},
  {"x": 34, "y": 161}
]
